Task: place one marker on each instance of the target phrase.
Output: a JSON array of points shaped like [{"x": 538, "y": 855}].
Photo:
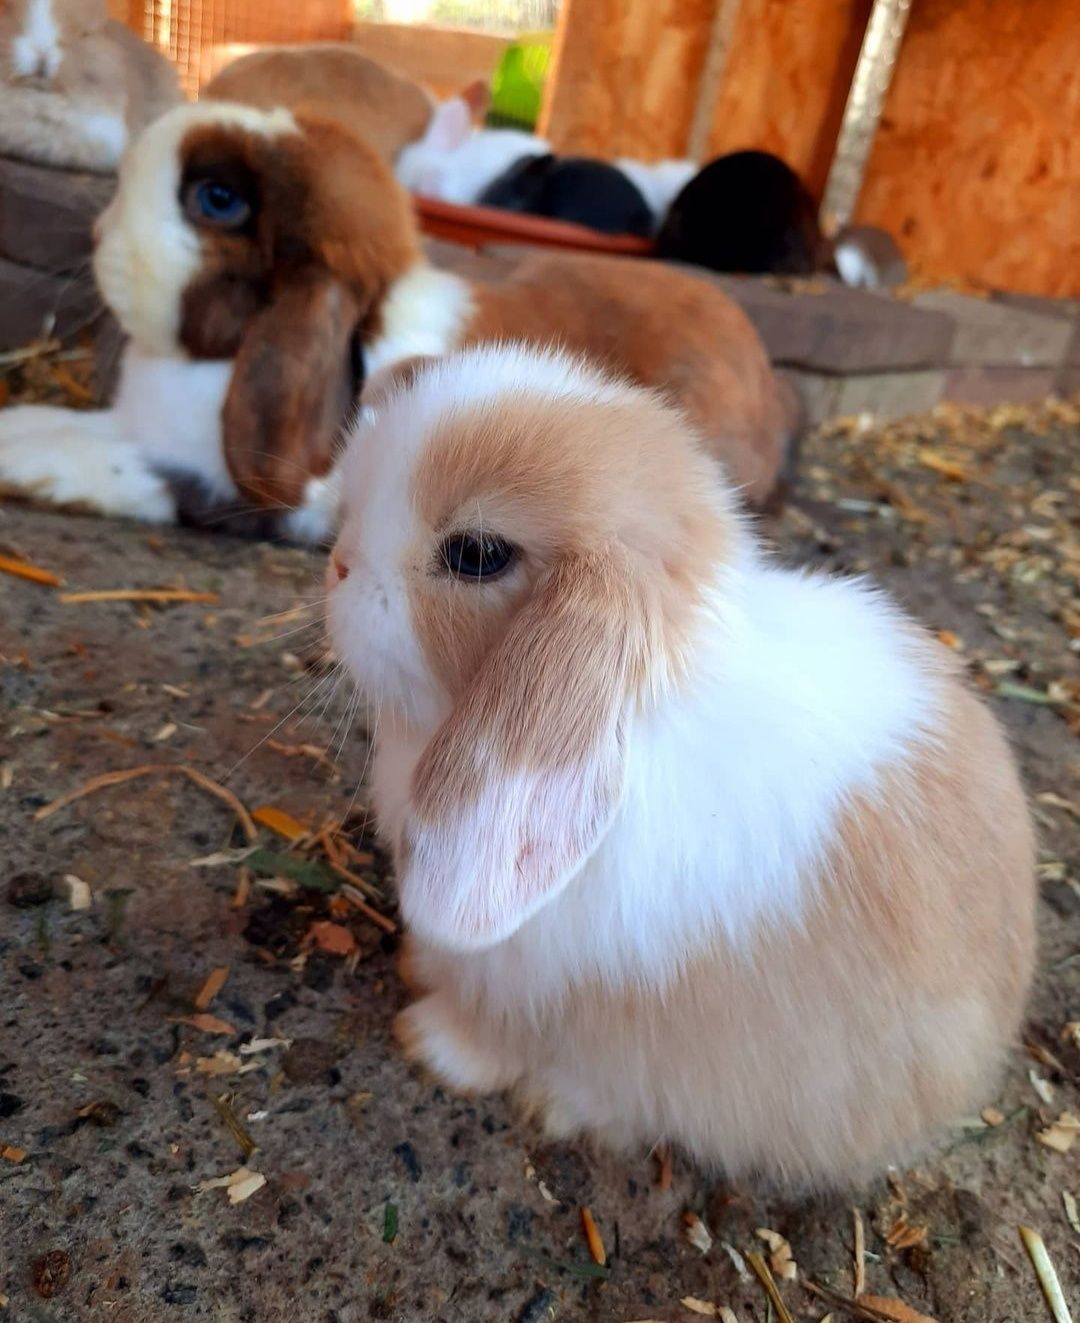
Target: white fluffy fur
[
  {"x": 424, "y": 313},
  {"x": 801, "y": 690},
  {"x": 454, "y": 162},
  {"x": 36, "y": 50}
]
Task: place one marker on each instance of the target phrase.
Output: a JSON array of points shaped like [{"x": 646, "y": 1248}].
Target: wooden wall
[
  {"x": 976, "y": 166},
  {"x": 785, "y": 81},
  {"x": 625, "y": 75}
]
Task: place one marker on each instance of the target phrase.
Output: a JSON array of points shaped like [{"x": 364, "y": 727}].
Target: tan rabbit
[
  {"x": 693, "y": 847},
  {"x": 75, "y": 87},
  {"x": 387, "y": 108}
]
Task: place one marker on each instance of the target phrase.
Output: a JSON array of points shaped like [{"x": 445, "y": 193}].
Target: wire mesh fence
[{"x": 190, "y": 30}]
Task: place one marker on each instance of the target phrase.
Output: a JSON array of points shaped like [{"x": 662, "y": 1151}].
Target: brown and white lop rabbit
[
  {"x": 75, "y": 86},
  {"x": 693, "y": 848},
  {"x": 262, "y": 261}
]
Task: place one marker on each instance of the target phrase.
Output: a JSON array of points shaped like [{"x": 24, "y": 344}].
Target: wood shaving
[
  {"x": 903, "y": 1235},
  {"x": 930, "y": 459},
  {"x": 166, "y": 732},
  {"x": 279, "y": 822},
  {"x": 243, "y": 889},
  {"x": 895, "y": 1310},
  {"x": 206, "y": 1024},
  {"x": 1042, "y": 1087},
  {"x": 107, "y": 779},
  {"x": 593, "y": 1238},
  {"x": 1061, "y": 1134},
  {"x": 859, "y": 1269},
  {"x": 240, "y": 1184},
  {"x": 663, "y": 1175},
  {"x": 737, "y": 1260},
  {"x": 991, "y": 1116},
  {"x": 332, "y": 938},
  {"x": 212, "y": 985},
  {"x": 761, "y": 1271},
  {"x": 22, "y": 569},
  {"x": 174, "y": 691},
  {"x": 1072, "y": 1216},
  {"x": 697, "y": 1233},
  {"x": 727, "y": 1315},
  {"x": 223, "y": 1062},
  {"x": 781, "y": 1260},
  {"x": 160, "y": 596},
  {"x": 80, "y": 897},
  {"x": 1046, "y": 1273},
  {"x": 703, "y": 1307},
  {"x": 7, "y": 776},
  {"x": 263, "y": 1045},
  {"x": 372, "y": 915},
  {"x": 12, "y": 1153}
]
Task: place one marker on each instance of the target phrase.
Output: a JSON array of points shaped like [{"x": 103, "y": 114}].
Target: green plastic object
[{"x": 518, "y": 83}]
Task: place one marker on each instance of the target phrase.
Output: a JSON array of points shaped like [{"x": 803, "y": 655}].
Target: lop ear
[
  {"x": 450, "y": 125},
  {"x": 519, "y": 785},
  {"x": 477, "y": 96},
  {"x": 293, "y": 385}
]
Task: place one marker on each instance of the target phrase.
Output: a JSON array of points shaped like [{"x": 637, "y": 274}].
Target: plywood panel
[
  {"x": 786, "y": 80},
  {"x": 625, "y": 76},
  {"x": 976, "y": 166}
]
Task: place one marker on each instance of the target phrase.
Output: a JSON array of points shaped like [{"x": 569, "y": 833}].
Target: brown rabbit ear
[
  {"x": 292, "y": 388},
  {"x": 520, "y": 783}
]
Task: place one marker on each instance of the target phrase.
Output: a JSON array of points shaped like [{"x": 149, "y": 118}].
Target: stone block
[
  {"x": 46, "y": 216},
  {"x": 840, "y": 330},
  {"x": 33, "y": 303},
  {"x": 999, "y": 385},
  {"x": 996, "y": 333},
  {"x": 890, "y": 394}
]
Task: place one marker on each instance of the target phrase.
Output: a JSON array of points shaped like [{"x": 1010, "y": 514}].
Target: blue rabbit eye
[{"x": 217, "y": 203}]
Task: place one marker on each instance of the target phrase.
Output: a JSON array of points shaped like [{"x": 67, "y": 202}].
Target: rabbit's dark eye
[
  {"x": 475, "y": 556},
  {"x": 212, "y": 202}
]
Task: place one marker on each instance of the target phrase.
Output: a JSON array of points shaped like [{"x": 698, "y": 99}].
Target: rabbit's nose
[{"x": 337, "y": 570}]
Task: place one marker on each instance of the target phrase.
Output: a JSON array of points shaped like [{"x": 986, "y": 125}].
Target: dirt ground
[{"x": 379, "y": 1196}]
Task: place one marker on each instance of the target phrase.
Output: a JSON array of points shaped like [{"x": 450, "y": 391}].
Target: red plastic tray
[{"x": 476, "y": 227}]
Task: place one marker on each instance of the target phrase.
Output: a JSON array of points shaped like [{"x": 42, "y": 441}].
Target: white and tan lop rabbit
[
  {"x": 75, "y": 87},
  {"x": 262, "y": 262},
  {"x": 692, "y": 848}
]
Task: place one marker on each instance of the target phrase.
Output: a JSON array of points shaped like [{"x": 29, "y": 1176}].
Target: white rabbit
[
  {"x": 455, "y": 162},
  {"x": 659, "y": 182},
  {"x": 75, "y": 86},
  {"x": 692, "y": 847}
]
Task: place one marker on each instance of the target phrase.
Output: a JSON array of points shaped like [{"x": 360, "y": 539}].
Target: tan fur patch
[
  {"x": 665, "y": 329},
  {"x": 569, "y": 481}
]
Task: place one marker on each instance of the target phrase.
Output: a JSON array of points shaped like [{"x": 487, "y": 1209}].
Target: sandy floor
[{"x": 383, "y": 1197}]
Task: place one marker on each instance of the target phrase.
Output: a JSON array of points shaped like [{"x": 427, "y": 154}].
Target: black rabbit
[
  {"x": 745, "y": 212},
  {"x": 572, "y": 188}
]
